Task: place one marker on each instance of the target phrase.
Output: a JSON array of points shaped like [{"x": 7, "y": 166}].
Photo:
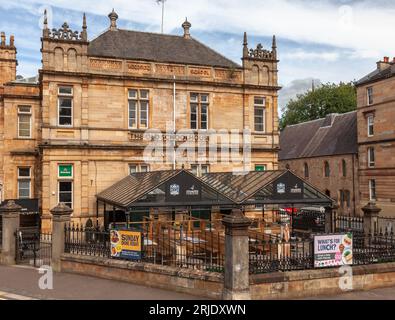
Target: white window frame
[
  {"x": 72, "y": 190},
  {"x": 25, "y": 113},
  {"x": 263, "y": 107},
  {"x": 199, "y": 171},
  {"x": 138, "y": 167},
  {"x": 371, "y": 164},
  {"x": 138, "y": 99},
  {"x": 369, "y": 94},
  {"x": 199, "y": 102},
  {"x": 67, "y": 96},
  {"x": 25, "y": 179},
  {"x": 370, "y": 124},
  {"x": 371, "y": 182}
]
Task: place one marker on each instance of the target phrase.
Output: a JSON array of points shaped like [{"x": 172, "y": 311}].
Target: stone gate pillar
[
  {"x": 236, "y": 286},
  {"x": 370, "y": 214},
  {"x": 11, "y": 217},
  {"x": 330, "y": 212},
  {"x": 60, "y": 217}
]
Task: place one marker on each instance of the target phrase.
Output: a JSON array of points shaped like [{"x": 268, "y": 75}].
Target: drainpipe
[
  {"x": 174, "y": 123},
  {"x": 353, "y": 182}
]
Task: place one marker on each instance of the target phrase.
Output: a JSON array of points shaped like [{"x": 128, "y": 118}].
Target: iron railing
[
  {"x": 268, "y": 254},
  {"x": 33, "y": 247},
  {"x": 163, "y": 244},
  {"x": 349, "y": 224},
  {"x": 385, "y": 225}
]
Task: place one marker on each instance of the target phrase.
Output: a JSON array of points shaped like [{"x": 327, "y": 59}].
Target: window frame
[
  {"x": 369, "y": 93},
  {"x": 72, "y": 190},
  {"x": 370, "y": 124},
  {"x": 199, "y": 103},
  {"x": 138, "y": 99},
  {"x": 372, "y": 187},
  {"x": 371, "y": 152},
  {"x": 199, "y": 169},
  {"x": 66, "y": 96},
  {"x": 306, "y": 170},
  {"x": 344, "y": 168},
  {"x": 25, "y": 113},
  {"x": 260, "y": 107},
  {"x": 139, "y": 167},
  {"x": 24, "y": 179}
]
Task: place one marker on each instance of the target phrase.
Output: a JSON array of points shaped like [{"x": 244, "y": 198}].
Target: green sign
[
  {"x": 66, "y": 170},
  {"x": 260, "y": 168}
]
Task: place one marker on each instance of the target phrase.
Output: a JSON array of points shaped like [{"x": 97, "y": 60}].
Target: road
[{"x": 21, "y": 283}]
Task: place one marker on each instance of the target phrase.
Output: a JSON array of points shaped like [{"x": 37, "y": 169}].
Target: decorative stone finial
[
  {"x": 245, "y": 46},
  {"x": 46, "y": 31},
  {"x": 61, "y": 210},
  {"x": 371, "y": 209},
  {"x": 84, "y": 34},
  {"x": 12, "y": 41},
  {"x": 11, "y": 206},
  {"x": 236, "y": 223},
  {"x": 2, "y": 39},
  {"x": 186, "y": 26},
  {"x": 113, "y": 18}
]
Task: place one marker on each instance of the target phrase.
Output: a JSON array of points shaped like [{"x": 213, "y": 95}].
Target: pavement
[
  {"x": 376, "y": 294},
  {"x": 22, "y": 283}
]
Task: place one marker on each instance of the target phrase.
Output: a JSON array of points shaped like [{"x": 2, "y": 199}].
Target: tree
[{"x": 315, "y": 104}]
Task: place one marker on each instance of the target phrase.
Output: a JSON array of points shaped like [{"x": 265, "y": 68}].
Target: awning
[{"x": 182, "y": 188}]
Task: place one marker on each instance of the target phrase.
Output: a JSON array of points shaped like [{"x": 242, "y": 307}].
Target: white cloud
[{"x": 301, "y": 54}]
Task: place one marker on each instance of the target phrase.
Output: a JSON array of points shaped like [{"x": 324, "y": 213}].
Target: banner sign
[
  {"x": 126, "y": 244},
  {"x": 333, "y": 250}
]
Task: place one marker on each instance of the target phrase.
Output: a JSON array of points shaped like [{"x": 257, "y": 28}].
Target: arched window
[
  {"x": 344, "y": 168},
  {"x": 328, "y": 193},
  {"x": 327, "y": 169},
  {"x": 306, "y": 170}
]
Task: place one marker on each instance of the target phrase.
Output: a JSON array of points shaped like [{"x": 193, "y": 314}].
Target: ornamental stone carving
[
  {"x": 65, "y": 33},
  {"x": 260, "y": 53}
]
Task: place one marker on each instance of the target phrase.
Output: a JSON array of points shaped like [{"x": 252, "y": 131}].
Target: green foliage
[{"x": 328, "y": 98}]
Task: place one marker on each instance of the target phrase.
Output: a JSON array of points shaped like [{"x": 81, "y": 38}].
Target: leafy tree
[{"x": 315, "y": 104}]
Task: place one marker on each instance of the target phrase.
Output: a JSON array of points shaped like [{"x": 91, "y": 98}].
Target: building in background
[
  {"x": 324, "y": 152},
  {"x": 79, "y": 127},
  {"x": 376, "y": 136}
]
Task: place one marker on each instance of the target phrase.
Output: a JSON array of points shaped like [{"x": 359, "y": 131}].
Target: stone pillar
[
  {"x": 370, "y": 214},
  {"x": 329, "y": 223},
  {"x": 236, "y": 286},
  {"x": 60, "y": 217},
  {"x": 10, "y": 212}
]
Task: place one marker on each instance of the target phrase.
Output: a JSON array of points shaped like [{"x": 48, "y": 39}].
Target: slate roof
[
  {"x": 376, "y": 75},
  {"x": 319, "y": 138},
  {"x": 135, "y": 45}
]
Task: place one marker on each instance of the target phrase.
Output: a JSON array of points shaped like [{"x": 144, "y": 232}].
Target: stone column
[
  {"x": 329, "y": 212},
  {"x": 60, "y": 217},
  {"x": 236, "y": 286},
  {"x": 370, "y": 214},
  {"x": 10, "y": 212}
]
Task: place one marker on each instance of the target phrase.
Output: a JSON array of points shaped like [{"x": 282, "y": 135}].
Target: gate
[{"x": 33, "y": 247}]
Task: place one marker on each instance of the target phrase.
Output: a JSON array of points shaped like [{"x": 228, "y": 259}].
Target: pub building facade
[{"x": 78, "y": 127}]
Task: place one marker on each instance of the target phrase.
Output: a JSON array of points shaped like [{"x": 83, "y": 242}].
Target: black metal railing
[
  {"x": 385, "y": 225},
  {"x": 349, "y": 224},
  {"x": 168, "y": 245},
  {"x": 268, "y": 254},
  {"x": 371, "y": 249},
  {"x": 33, "y": 247}
]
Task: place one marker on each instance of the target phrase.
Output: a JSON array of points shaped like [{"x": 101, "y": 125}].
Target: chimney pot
[{"x": 386, "y": 59}]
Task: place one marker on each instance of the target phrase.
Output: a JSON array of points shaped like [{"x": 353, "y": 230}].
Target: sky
[{"x": 328, "y": 40}]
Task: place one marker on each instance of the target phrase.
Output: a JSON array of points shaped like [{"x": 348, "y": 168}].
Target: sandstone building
[
  {"x": 324, "y": 152},
  {"x": 79, "y": 126},
  {"x": 376, "y": 136}
]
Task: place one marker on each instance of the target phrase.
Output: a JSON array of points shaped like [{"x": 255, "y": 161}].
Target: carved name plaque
[
  {"x": 139, "y": 136},
  {"x": 200, "y": 72},
  {"x": 169, "y": 69},
  {"x": 105, "y": 64},
  {"x": 227, "y": 75},
  {"x": 139, "y": 68}
]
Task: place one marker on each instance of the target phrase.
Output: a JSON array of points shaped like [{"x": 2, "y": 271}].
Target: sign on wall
[
  {"x": 183, "y": 188},
  {"x": 65, "y": 171},
  {"x": 333, "y": 250},
  {"x": 288, "y": 187},
  {"x": 126, "y": 244}
]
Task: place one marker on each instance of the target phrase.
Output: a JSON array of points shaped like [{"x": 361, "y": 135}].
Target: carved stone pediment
[
  {"x": 65, "y": 33},
  {"x": 261, "y": 53}
]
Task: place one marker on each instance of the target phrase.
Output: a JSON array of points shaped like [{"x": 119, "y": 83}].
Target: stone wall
[
  {"x": 312, "y": 283},
  {"x": 199, "y": 283},
  {"x": 288, "y": 285}
]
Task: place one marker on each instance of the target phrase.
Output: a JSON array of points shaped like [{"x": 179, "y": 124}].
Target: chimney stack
[
  {"x": 186, "y": 26},
  {"x": 382, "y": 65},
  {"x": 3, "y": 39}
]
